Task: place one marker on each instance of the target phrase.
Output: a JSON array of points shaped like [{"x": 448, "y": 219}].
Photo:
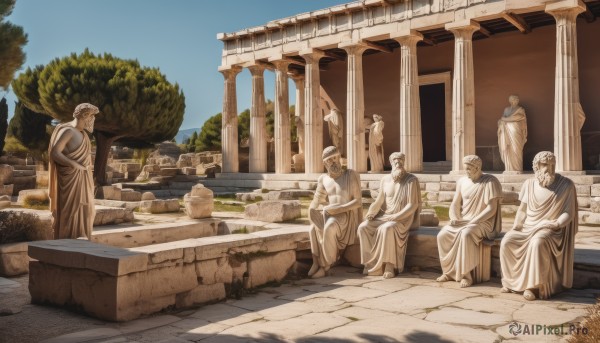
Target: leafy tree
[
  {"x": 12, "y": 41},
  {"x": 138, "y": 106},
  {"x": 3, "y": 122},
  {"x": 210, "y": 134},
  {"x": 30, "y": 128},
  {"x": 191, "y": 144},
  {"x": 244, "y": 125}
]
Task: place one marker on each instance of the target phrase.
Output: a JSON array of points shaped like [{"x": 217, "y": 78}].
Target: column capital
[
  {"x": 354, "y": 48},
  {"x": 312, "y": 55},
  {"x": 463, "y": 28},
  {"x": 565, "y": 7},
  {"x": 257, "y": 69},
  {"x": 230, "y": 72},
  {"x": 407, "y": 37},
  {"x": 280, "y": 64}
]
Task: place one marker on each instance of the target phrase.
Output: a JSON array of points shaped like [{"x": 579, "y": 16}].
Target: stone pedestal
[
  {"x": 229, "y": 128},
  {"x": 199, "y": 202}
]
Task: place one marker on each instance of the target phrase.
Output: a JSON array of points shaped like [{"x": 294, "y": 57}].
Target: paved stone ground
[{"x": 344, "y": 307}]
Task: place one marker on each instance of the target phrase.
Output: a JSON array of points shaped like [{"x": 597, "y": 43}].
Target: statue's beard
[
  {"x": 334, "y": 170},
  {"x": 89, "y": 126},
  {"x": 398, "y": 174},
  {"x": 545, "y": 178}
]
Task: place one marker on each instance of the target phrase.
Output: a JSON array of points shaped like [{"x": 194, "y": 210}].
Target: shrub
[
  {"x": 588, "y": 330},
  {"x": 36, "y": 202},
  {"x": 18, "y": 227}
]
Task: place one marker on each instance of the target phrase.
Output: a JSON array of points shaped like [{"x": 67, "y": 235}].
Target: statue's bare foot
[
  {"x": 443, "y": 278},
  {"x": 313, "y": 269},
  {"x": 504, "y": 290},
  {"x": 366, "y": 271},
  {"x": 466, "y": 281},
  {"x": 528, "y": 295},
  {"x": 389, "y": 271},
  {"x": 319, "y": 274}
]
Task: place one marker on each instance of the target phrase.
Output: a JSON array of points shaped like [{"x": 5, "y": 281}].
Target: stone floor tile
[
  {"x": 415, "y": 299},
  {"x": 357, "y": 313},
  {"x": 257, "y": 302},
  {"x": 505, "y": 332},
  {"x": 544, "y": 314},
  {"x": 389, "y": 285},
  {"x": 225, "y": 314},
  {"x": 402, "y": 328},
  {"x": 489, "y": 305},
  {"x": 345, "y": 293},
  {"x": 451, "y": 315},
  {"x": 203, "y": 331},
  {"x": 286, "y": 311},
  {"x": 325, "y": 304},
  {"x": 84, "y": 336},
  {"x": 147, "y": 323}
]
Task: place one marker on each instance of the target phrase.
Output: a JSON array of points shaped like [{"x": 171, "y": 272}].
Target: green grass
[
  {"x": 220, "y": 207},
  {"x": 36, "y": 204},
  {"x": 442, "y": 212}
]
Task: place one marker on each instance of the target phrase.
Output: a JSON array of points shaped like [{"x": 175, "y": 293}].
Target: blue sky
[{"x": 177, "y": 36}]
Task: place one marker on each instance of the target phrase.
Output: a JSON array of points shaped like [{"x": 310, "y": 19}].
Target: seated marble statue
[
  {"x": 71, "y": 184},
  {"x": 384, "y": 234},
  {"x": 512, "y": 135},
  {"x": 536, "y": 256},
  {"x": 474, "y": 216},
  {"x": 334, "y": 227}
]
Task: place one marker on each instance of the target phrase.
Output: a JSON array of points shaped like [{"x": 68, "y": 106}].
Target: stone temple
[{"x": 438, "y": 72}]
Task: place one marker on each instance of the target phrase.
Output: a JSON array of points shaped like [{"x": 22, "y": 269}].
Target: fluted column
[
  {"x": 463, "y": 93},
  {"x": 568, "y": 113},
  {"x": 313, "y": 123},
  {"x": 258, "y": 122},
  {"x": 299, "y": 109},
  {"x": 283, "y": 149},
  {"x": 229, "y": 126},
  {"x": 355, "y": 108},
  {"x": 411, "y": 141}
]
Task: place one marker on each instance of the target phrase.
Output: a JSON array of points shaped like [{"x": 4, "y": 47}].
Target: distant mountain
[{"x": 185, "y": 134}]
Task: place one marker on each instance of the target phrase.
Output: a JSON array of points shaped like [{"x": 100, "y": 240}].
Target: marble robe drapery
[
  {"x": 331, "y": 233},
  {"x": 376, "y": 146},
  {"x": 382, "y": 240},
  {"x": 512, "y": 135},
  {"x": 537, "y": 257},
  {"x": 335, "y": 123},
  {"x": 71, "y": 191},
  {"x": 458, "y": 245}
]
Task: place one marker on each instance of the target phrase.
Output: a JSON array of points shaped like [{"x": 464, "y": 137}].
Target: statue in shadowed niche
[
  {"x": 537, "y": 255},
  {"x": 335, "y": 122},
  {"x": 512, "y": 135},
  {"x": 71, "y": 184},
  {"x": 376, "y": 143}
]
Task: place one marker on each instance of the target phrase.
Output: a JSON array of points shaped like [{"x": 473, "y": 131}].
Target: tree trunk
[{"x": 104, "y": 141}]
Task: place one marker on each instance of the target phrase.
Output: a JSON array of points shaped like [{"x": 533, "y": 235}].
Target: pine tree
[
  {"x": 3, "y": 122},
  {"x": 210, "y": 134},
  {"x": 30, "y": 128},
  {"x": 12, "y": 41}
]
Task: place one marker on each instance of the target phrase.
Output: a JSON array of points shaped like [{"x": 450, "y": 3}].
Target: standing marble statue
[
  {"x": 71, "y": 184},
  {"x": 536, "y": 256},
  {"x": 384, "y": 234},
  {"x": 474, "y": 216},
  {"x": 300, "y": 134},
  {"x": 512, "y": 135},
  {"x": 334, "y": 227},
  {"x": 335, "y": 123},
  {"x": 376, "y": 143}
]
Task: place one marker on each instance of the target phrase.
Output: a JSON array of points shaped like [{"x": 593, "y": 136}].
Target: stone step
[
  {"x": 26, "y": 172},
  {"x": 141, "y": 235},
  {"x": 24, "y": 167}
]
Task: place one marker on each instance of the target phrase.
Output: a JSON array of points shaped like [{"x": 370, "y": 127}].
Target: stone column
[
  {"x": 299, "y": 108},
  {"x": 313, "y": 118},
  {"x": 229, "y": 126},
  {"x": 355, "y": 108},
  {"x": 258, "y": 122},
  {"x": 463, "y": 93},
  {"x": 411, "y": 141},
  {"x": 283, "y": 149},
  {"x": 568, "y": 113}
]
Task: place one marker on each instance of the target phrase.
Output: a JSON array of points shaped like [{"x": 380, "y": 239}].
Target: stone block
[
  {"x": 583, "y": 190},
  {"x": 189, "y": 170},
  {"x": 595, "y": 205},
  {"x": 428, "y": 217},
  {"x": 13, "y": 259},
  {"x": 263, "y": 269},
  {"x": 448, "y": 186},
  {"x": 49, "y": 284},
  {"x": 431, "y": 196},
  {"x": 445, "y": 196},
  {"x": 273, "y": 211},
  {"x": 6, "y": 174},
  {"x": 111, "y": 193},
  {"x": 34, "y": 193},
  {"x": 432, "y": 187},
  {"x": 169, "y": 171},
  {"x": 510, "y": 197},
  {"x": 6, "y": 189},
  {"x": 148, "y": 196},
  {"x": 595, "y": 190},
  {"x": 4, "y": 201},
  {"x": 112, "y": 215},
  {"x": 128, "y": 194},
  {"x": 214, "y": 271},
  {"x": 584, "y": 201},
  {"x": 159, "y": 206},
  {"x": 202, "y": 294}
]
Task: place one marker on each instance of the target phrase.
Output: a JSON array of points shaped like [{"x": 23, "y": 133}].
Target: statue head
[
  {"x": 377, "y": 117},
  {"x": 397, "y": 161},
  {"x": 513, "y": 100},
  {"x": 544, "y": 164},
  {"x": 331, "y": 160},
  {"x": 87, "y": 113},
  {"x": 472, "y": 164}
]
